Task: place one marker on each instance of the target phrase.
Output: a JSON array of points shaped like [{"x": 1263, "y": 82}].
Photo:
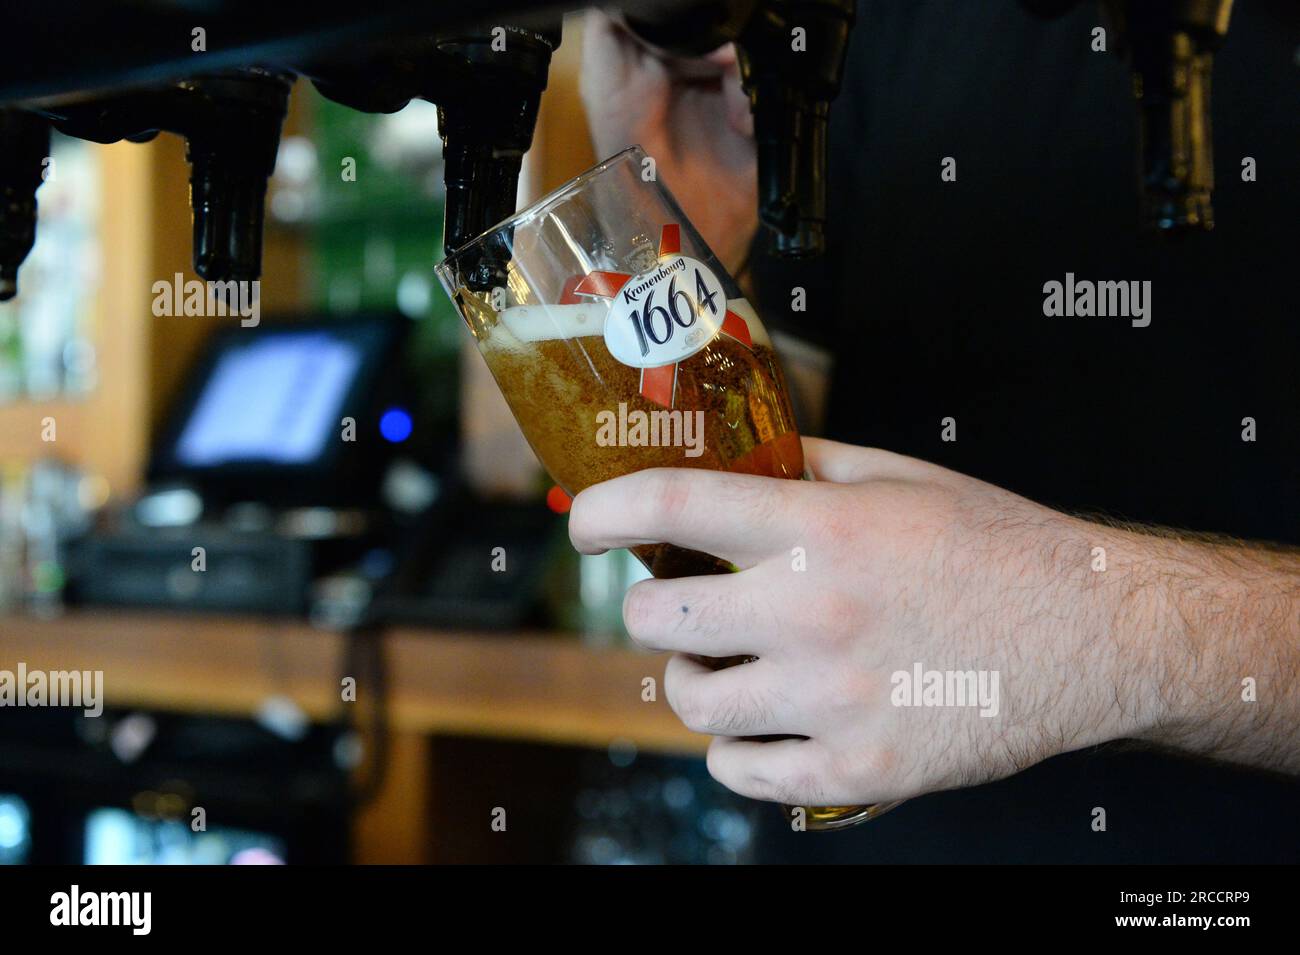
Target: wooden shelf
[{"x": 538, "y": 687}]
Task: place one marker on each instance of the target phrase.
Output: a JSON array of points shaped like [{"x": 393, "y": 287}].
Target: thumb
[{"x": 608, "y": 53}]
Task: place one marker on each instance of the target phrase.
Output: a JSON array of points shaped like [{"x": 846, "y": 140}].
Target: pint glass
[{"x": 621, "y": 343}]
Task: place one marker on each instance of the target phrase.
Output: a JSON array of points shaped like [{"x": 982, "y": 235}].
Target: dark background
[{"x": 935, "y": 289}]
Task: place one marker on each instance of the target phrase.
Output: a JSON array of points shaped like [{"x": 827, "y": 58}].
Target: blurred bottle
[
  {"x": 15, "y": 830},
  {"x": 12, "y": 538},
  {"x": 43, "y": 510},
  {"x": 11, "y": 353},
  {"x": 44, "y": 575},
  {"x": 45, "y": 336},
  {"x": 585, "y": 593}
]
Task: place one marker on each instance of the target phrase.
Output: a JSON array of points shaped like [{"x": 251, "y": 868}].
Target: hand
[
  {"x": 691, "y": 116},
  {"x": 908, "y": 566}
]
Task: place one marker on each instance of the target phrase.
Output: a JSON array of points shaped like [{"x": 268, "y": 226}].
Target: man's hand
[
  {"x": 691, "y": 116},
  {"x": 887, "y": 566}
]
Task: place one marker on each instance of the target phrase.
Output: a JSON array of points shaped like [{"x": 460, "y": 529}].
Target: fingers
[
  {"x": 707, "y": 616},
  {"x": 724, "y": 56},
  {"x": 742, "y": 700},
  {"x": 740, "y": 518},
  {"x": 739, "y": 113},
  {"x": 849, "y": 464},
  {"x": 607, "y": 53},
  {"x": 789, "y": 771}
]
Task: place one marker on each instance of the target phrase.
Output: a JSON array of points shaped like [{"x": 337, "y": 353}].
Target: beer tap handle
[
  {"x": 486, "y": 117},
  {"x": 24, "y": 144},
  {"x": 791, "y": 56},
  {"x": 231, "y": 143},
  {"x": 231, "y": 123},
  {"x": 792, "y": 61},
  {"x": 1170, "y": 46},
  {"x": 487, "y": 83}
]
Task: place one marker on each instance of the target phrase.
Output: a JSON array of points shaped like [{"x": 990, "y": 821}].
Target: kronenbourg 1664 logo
[{"x": 663, "y": 315}]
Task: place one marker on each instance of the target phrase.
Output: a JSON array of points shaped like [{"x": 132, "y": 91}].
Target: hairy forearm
[{"x": 1214, "y": 626}]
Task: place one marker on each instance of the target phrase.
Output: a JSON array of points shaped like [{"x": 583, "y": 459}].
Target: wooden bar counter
[{"x": 534, "y": 687}]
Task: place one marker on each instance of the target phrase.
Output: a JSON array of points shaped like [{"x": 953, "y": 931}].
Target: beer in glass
[{"x": 621, "y": 343}]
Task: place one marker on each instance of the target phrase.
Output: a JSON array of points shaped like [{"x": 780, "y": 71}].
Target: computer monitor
[{"x": 286, "y": 414}]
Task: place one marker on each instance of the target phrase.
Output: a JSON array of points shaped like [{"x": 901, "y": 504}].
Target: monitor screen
[
  {"x": 275, "y": 399},
  {"x": 286, "y": 414}
]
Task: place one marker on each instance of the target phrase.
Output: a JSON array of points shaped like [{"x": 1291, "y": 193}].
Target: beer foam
[
  {"x": 522, "y": 325},
  {"x": 529, "y": 324}
]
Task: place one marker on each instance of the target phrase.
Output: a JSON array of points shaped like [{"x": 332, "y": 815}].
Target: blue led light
[{"x": 395, "y": 425}]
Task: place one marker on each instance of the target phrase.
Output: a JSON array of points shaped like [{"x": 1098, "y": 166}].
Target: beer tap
[
  {"x": 487, "y": 85},
  {"x": 790, "y": 87},
  {"x": 791, "y": 63},
  {"x": 1169, "y": 45},
  {"x": 231, "y": 123},
  {"x": 24, "y": 144},
  {"x": 486, "y": 117}
]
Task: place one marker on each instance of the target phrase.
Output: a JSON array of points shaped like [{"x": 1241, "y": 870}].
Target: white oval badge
[{"x": 665, "y": 315}]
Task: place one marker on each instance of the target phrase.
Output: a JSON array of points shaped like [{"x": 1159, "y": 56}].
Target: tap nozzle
[
  {"x": 24, "y": 146},
  {"x": 790, "y": 86},
  {"x": 1170, "y": 46}
]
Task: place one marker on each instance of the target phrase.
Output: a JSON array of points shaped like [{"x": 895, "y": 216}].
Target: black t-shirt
[{"x": 932, "y": 298}]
